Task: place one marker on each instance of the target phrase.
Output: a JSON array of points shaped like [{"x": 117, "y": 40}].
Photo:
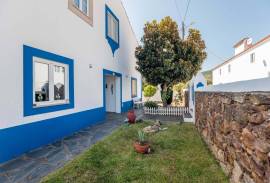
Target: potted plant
[
  {"x": 131, "y": 117},
  {"x": 141, "y": 145}
]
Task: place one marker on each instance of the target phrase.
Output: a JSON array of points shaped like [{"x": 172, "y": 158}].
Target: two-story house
[
  {"x": 251, "y": 61},
  {"x": 64, "y": 64}
]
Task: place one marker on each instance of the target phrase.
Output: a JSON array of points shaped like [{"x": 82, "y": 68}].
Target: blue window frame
[
  {"x": 112, "y": 29},
  {"x": 30, "y": 55},
  {"x": 134, "y": 88}
]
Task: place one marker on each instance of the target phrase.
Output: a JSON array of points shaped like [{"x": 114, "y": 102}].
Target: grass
[{"x": 179, "y": 155}]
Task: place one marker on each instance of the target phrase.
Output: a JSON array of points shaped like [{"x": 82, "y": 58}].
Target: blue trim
[
  {"x": 132, "y": 79},
  {"x": 200, "y": 85},
  {"x": 28, "y": 54},
  {"x": 113, "y": 44},
  {"x": 141, "y": 88},
  {"x": 112, "y": 73},
  {"x": 193, "y": 93},
  {"x": 20, "y": 139},
  {"x": 127, "y": 106}
]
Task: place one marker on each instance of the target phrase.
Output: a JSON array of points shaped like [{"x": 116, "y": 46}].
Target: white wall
[
  {"x": 199, "y": 78},
  {"x": 259, "y": 85},
  {"x": 243, "y": 69},
  {"x": 50, "y": 26}
]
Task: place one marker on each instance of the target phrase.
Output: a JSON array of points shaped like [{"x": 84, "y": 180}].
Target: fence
[{"x": 166, "y": 111}]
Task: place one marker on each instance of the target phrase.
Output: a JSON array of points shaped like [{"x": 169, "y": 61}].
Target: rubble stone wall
[{"x": 236, "y": 127}]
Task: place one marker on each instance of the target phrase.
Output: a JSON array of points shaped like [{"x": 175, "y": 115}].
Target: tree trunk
[{"x": 166, "y": 95}]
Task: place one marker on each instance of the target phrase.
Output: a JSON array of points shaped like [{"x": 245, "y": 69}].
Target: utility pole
[{"x": 183, "y": 30}]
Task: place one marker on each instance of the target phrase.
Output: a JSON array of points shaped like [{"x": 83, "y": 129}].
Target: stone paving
[{"x": 32, "y": 166}]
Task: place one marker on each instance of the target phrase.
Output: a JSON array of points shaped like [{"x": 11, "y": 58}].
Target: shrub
[
  {"x": 149, "y": 91},
  {"x": 151, "y": 104}
]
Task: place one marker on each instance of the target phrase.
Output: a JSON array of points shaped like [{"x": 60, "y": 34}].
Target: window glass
[
  {"x": 112, "y": 27},
  {"x": 134, "y": 87},
  {"x": 77, "y": 3},
  {"x": 252, "y": 58},
  {"x": 51, "y": 83},
  {"x": 264, "y": 63},
  {"x": 115, "y": 23},
  {"x": 59, "y": 83},
  {"x": 229, "y": 68},
  {"x": 85, "y": 6},
  {"x": 41, "y": 82}
]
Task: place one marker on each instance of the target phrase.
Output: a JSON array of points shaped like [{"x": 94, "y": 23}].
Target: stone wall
[{"x": 236, "y": 127}]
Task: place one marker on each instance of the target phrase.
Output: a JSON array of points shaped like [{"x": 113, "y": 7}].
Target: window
[
  {"x": 82, "y": 5},
  {"x": 112, "y": 29},
  {"x": 83, "y": 9},
  {"x": 220, "y": 72},
  {"x": 229, "y": 68},
  {"x": 134, "y": 88},
  {"x": 48, "y": 82},
  {"x": 77, "y": 3},
  {"x": 264, "y": 63},
  {"x": 252, "y": 58}
]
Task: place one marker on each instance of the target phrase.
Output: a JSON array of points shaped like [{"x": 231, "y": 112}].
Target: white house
[
  {"x": 64, "y": 64},
  {"x": 197, "y": 83},
  {"x": 251, "y": 61}
]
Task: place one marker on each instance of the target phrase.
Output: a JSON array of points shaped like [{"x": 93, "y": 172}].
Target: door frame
[{"x": 115, "y": 74}]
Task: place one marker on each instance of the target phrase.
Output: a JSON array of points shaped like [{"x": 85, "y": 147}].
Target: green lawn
[{"x": 179, "y": 155}]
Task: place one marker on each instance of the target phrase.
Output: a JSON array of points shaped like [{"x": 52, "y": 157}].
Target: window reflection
[
  {"x": 59, "y": 83},
  {"x": 41, "y": 82}
]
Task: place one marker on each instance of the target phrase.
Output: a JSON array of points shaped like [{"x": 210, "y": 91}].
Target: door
[{"x": 110, "y": 94}]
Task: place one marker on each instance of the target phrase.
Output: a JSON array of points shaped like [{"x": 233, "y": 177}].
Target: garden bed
[{"x": 179, "y": 155}]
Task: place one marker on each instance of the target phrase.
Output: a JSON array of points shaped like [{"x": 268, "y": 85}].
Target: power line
[
  {"x": 215, "y": 55},
  {"x": 178, "y": 9},
  {"x": 183, "y": 28},
  {"x": 187, "y": 10}
]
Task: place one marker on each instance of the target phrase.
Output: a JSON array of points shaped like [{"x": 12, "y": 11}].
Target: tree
[
  {"x": 165, "y": 59},
  {"x": 149, "y": 91}
]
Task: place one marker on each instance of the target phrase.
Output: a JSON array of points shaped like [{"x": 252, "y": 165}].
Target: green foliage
[
  {"x": 149, "y": 91},
  {"x": 141, "y": 137},
  {"x": 151, "y": 104},
  {"x": 166, "y": 59}
]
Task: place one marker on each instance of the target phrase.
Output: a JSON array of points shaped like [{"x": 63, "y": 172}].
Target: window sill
[{"x": 36, "y": 106}]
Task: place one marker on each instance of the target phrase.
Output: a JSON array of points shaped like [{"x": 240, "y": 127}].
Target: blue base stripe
[
  {"x": 20, "y": 139},
  {"x": 127, "y": 106}
]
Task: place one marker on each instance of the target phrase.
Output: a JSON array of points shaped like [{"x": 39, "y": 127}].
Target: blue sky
[{"x": 221, "y": 22}]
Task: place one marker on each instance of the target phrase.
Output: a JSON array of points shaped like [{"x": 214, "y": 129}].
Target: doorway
[{"x": 112, "y": 87}]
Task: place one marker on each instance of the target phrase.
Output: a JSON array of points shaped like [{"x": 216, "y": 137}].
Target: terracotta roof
[
  {"x": 240, "y": 42},
  {"x": 262, "y": 41}
]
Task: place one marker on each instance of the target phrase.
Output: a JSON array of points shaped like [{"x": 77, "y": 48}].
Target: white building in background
[
  {"x": 197, "y": 83},
  {"x": 64, "y": 64},
  {"x": 250, "y": 61}
]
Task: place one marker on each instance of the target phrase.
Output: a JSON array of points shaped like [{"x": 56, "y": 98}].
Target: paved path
[{"x": 32, "y": 166}]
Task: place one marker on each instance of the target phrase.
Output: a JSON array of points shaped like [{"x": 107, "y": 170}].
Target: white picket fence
[{"x": 166, "y": 111}]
